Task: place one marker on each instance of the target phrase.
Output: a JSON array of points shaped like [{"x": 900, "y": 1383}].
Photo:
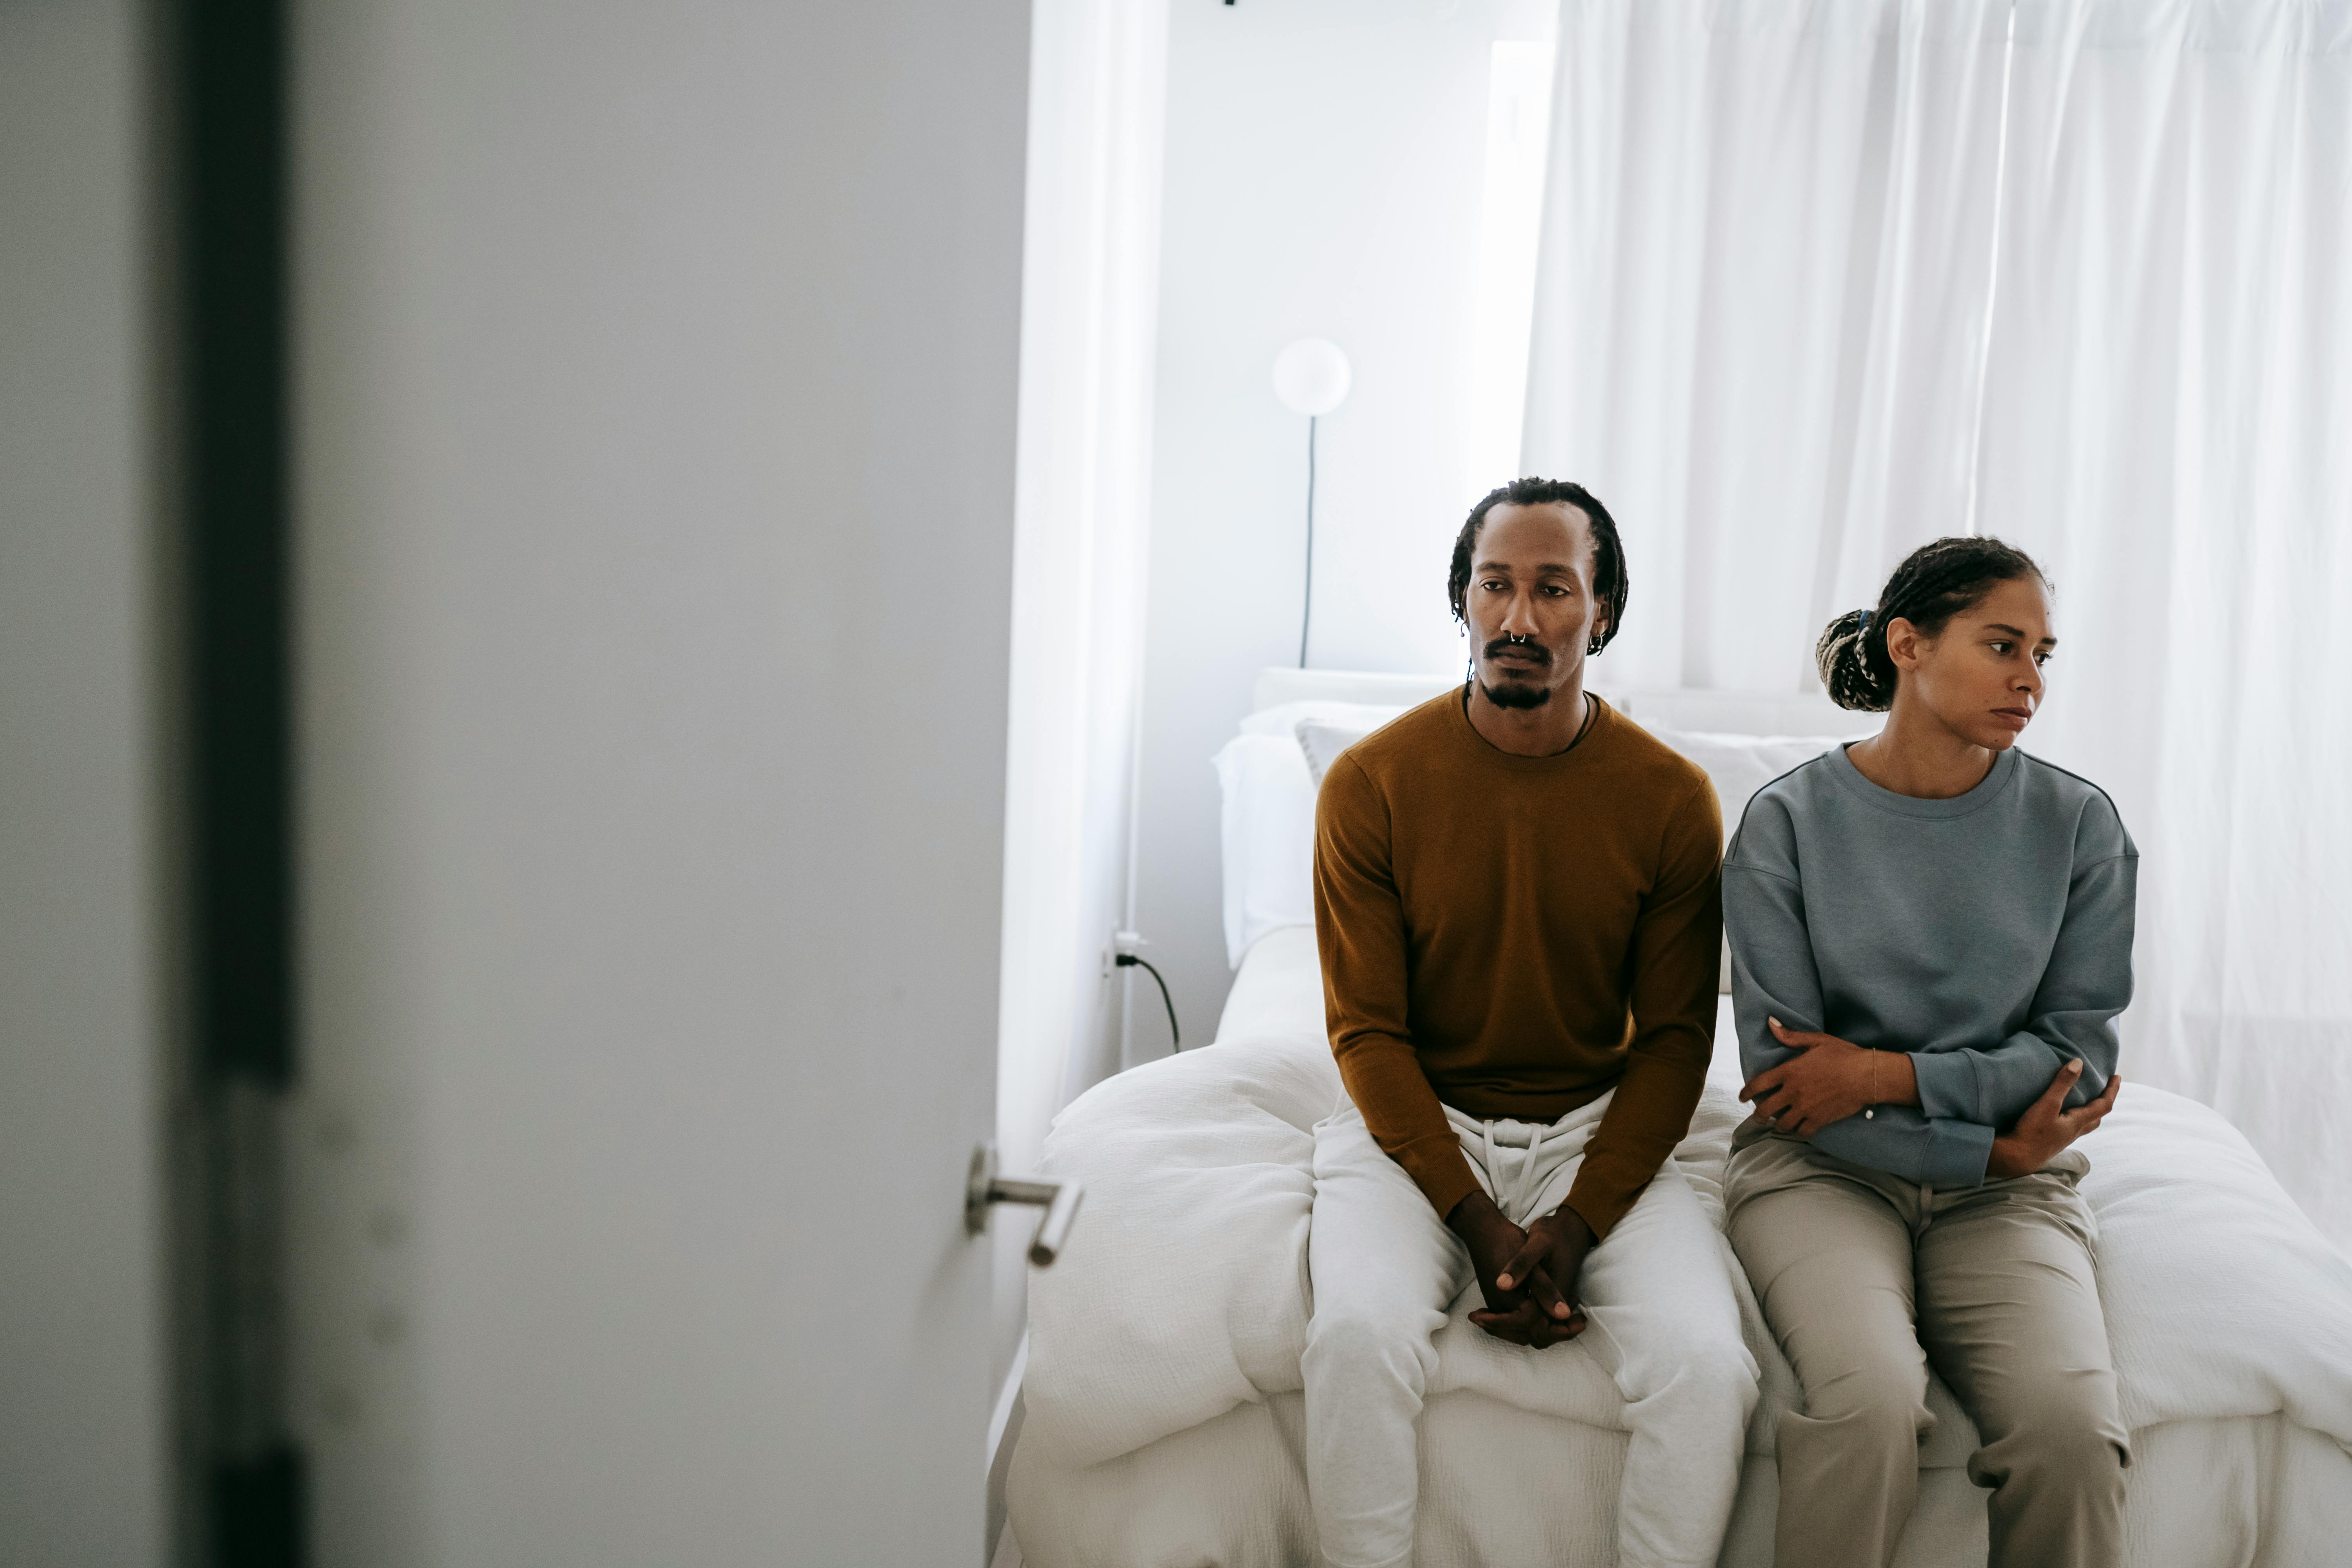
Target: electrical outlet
[{"x": 1123, "y": 945}]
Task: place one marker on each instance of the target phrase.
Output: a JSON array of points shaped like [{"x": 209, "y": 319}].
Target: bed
[{"x": 1164, "y": 1412}]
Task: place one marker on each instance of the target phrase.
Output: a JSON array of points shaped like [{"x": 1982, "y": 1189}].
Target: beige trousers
[{"x": 1865, "y": 1278}]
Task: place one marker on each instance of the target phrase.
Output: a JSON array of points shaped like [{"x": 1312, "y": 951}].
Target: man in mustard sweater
[{"x": 1518, "y": 905}]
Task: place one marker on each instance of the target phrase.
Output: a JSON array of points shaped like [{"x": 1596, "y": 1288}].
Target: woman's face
[{"x": 1981, "y": 676}]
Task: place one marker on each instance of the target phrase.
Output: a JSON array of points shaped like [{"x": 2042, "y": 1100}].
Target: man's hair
[
  {"x": 1608, "y": 554},
  {"x": 1934, "y": 583}
]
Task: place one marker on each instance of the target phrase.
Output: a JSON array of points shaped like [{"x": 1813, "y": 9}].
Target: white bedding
[{"x": 1162, "y": 1385}]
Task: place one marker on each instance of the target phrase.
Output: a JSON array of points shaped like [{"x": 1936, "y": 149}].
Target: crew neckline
[
  {"x": 1997, "y": 779},
  {"x": 1603, "y": 716}
]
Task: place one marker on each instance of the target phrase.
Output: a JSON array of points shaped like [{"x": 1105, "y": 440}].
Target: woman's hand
[
  {"x": 2047, "y": 1127},
  {"x": 1828, "y": 1080}
]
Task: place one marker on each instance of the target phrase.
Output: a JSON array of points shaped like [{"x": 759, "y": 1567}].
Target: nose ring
[{"x": 1519, "y": 637}]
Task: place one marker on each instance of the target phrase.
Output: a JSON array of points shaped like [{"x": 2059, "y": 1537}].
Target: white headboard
[
  {"x": 1277, "y": 684},
  {"x": 1719, "y": 713}
]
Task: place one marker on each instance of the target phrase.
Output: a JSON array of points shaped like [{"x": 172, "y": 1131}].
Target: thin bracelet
[{"x": 1870, "y": 1111}]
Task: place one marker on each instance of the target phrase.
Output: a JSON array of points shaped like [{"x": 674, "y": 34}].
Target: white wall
[
  {"x": 655, "y": 384},
  {"x": 1324, "y": 173},
  {"x": 83, "y": 1429}
]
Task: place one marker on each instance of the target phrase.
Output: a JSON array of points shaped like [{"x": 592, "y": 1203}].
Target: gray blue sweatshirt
[{"x": 1989, "y": 936}]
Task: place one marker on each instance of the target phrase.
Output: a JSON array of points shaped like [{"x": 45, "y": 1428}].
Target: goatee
[{"x": 1517, "y": 695}]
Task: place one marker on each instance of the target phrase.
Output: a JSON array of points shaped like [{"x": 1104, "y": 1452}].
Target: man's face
[{"x": 1529, "y": 604}]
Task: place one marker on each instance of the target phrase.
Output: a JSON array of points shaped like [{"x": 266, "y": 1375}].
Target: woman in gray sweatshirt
[{"x": 1930, "y": 939}]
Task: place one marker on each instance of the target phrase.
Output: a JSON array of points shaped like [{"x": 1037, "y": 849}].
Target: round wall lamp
[{"x": 1311, "y": 376}]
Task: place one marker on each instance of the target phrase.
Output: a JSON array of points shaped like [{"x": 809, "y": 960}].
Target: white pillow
[
  {"x": 1268, "y": 827},
  {"x": 1323, "y": 740},
  {"x": 1739, "y": 765},
  {"x": 1283, "y": 718},
  {"x": 1268, "y": 832}
]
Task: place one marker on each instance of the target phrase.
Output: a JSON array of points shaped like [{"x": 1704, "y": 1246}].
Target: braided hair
[
  {"x": 1934, "y": 583},
  {"x": 1608, "y": 554}
]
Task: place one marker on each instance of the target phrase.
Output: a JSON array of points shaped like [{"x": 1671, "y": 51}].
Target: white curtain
[
  {"x": 1081, "y": 528},
  {"x": 1082, "y": 504},
  {"x": 1760, "y": 317},
  {"x": 2168, "y": 427},
  {"x": 1823, "y": 280}
]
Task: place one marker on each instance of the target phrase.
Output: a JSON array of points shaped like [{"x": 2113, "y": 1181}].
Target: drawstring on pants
[{"x": 1531, "y": 1170}]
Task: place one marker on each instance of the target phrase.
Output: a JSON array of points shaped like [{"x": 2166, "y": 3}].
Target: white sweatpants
[{"x": 1661, "y": 1316}]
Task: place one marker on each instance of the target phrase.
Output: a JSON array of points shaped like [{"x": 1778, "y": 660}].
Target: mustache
[{"x": 1534, "y": 650}]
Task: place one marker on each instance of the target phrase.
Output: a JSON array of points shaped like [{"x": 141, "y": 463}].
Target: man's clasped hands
[{"x": 1528, "y": 1276}]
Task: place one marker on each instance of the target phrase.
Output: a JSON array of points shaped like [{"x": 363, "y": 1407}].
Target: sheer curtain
[
  {"x": 1759, "y": 316},
  {"x": 1082, "y": 495},
  {"x": 2168, "y": 427},
  {"x": 1822, "y": 280}
]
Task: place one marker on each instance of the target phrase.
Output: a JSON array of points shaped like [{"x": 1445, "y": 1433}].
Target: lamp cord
[
  {"x": 1306, "y": 609},
  {"x": 1129, "y": 961}
]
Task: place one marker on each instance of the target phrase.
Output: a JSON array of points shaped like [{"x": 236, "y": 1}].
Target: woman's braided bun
[{"x": 1852, "y": 678}]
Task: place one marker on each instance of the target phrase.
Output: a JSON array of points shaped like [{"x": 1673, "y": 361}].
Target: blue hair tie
[{"x": 1865, "y": 623}]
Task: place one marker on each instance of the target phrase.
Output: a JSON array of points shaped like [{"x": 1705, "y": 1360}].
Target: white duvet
[{"x": 1182, "y": 1300}]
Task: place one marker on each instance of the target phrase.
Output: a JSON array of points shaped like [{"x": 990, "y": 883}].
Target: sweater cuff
[
  {"x": 1441, "y": 1171},
  {"x": 1599, "y": 1209},
  {"x": 1948, "y": 1085},
  {"x": 1957, "y": 1151}
]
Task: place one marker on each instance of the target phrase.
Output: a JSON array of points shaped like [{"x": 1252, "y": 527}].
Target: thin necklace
[{"x": 1591, "y": 708}]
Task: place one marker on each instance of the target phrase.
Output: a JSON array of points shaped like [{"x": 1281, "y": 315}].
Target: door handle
[{"x": 1058, "y": 1199}]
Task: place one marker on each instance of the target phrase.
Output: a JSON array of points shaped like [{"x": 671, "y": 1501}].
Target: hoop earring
[{"x": 1592, "y": 647}]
